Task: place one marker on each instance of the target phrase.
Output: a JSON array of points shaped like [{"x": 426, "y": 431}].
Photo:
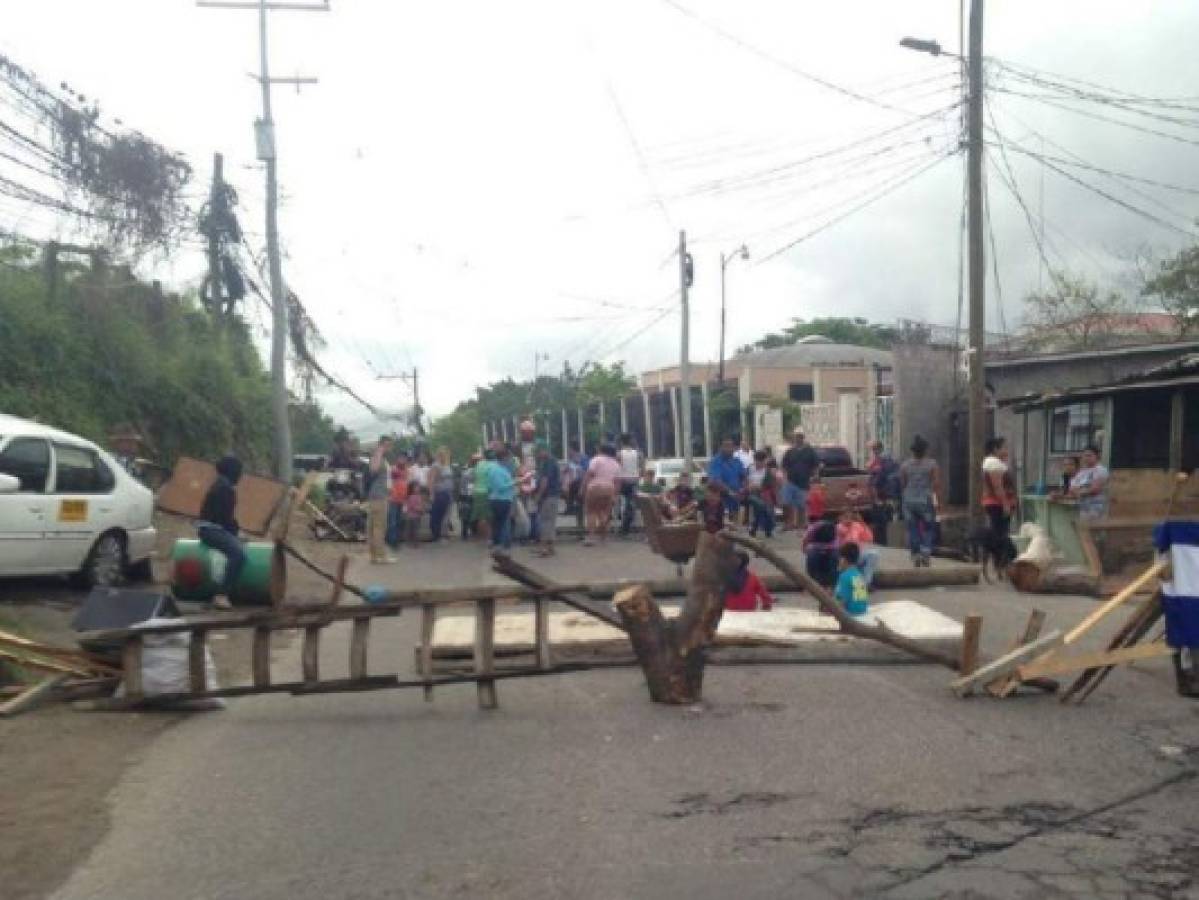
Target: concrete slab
[{"x": 576, "y": 636}]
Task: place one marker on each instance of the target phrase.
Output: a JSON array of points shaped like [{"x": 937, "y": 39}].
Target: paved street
[{"x": 808, "y": 780}]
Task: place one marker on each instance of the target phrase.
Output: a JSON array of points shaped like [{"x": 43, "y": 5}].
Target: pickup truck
[{"x": 846, "y": 487}]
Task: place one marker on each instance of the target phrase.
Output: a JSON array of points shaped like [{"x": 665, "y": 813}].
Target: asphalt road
[{"x": 789, "y": 781}]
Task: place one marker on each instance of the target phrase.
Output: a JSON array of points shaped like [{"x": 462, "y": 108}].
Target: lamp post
[
  {"x": 741, "y": 252},
  {"x": 974, "y": 241}
]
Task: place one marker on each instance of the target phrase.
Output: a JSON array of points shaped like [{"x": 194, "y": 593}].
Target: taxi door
[
  {"x": 81, "y": 506},
  {"x": 23, "y": 511}
]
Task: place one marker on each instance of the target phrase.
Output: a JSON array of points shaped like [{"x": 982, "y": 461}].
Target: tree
[
  {"x": 312, "y": 431},
  {"x": 859, "y": 332},
  {"x": 1074, "y": 314},
  {"x": 1176, "y": 288},
  {"x": 460, "y": 431}
]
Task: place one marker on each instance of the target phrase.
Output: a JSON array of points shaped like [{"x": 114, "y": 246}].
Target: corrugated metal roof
[{"x": 814, "y": 353}]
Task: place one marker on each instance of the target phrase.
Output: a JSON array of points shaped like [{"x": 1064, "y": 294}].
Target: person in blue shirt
[
  {"x": 851, "y": 591},
  {"x": 501, "y": 491},
  {"x": 728, "y": 473}
]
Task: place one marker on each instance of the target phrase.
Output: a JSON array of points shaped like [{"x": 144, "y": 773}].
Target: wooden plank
[
  {"x": 359, "y": 640},
  {"x": 971, "y": 634},
  {"x": 32, "y": 695},
  {"x": 27, "y": 660},
  {"x": 1091, "y": 620},
  {"x": 1138, "y": 625},
  {"x": 485, "y": 653},
  {"x": 541, "y": 634},
  {"x": 196, "y": 656},
  {"x": 65, "y": 654},
  {"x": 428, "y": 618},
  {"x": 316, "y": 511},
  {"x": 310, "y": 654},
  {"x": 1007, "y": 663},
  {"x": 1006, "y": 685},
  {"x": 339, "y": 582},
  {"x": 262, "y": 657},
  {"x": 1058, "y": 664},
  {"x": 131, "y": 665}
]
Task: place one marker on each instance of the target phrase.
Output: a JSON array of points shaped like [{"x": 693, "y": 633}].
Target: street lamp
[
  {"x": 741, "y": 252},
  {"x": 921, "y": 46}
]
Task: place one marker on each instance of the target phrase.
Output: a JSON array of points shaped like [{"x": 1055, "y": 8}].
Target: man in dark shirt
[
  {"x": 801, "y": 465},
  {"x": 549, "y": 493},
  {"x": 218, "y": 529}
]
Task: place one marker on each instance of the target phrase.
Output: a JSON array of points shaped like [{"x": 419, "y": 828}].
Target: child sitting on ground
[
  {"x": 712, "y": 508},
  {"x": 746, "y": 589},
  {"x": 851, "y": 585},
  {"x": 414, "y": 509},
  {"x": 820, "y": 547},
  {"x": 852, "y": 530}
]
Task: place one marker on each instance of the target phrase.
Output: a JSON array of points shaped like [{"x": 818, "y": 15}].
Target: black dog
[{"x": 992, "y": 554}]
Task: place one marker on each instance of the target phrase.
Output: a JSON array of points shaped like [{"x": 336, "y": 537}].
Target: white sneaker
[{"x": 221, "y": 603}]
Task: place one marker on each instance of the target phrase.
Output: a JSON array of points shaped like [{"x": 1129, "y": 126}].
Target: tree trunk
[{"x": 672, "y": 653}]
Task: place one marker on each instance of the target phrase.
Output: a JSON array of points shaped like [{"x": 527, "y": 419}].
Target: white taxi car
[{"x": 68, "y": 508}]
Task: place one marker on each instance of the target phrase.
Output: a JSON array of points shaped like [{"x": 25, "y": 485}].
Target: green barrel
[{"x": 197, "y": 572}]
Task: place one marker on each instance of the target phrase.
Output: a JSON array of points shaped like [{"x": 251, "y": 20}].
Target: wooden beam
[
  {"x": 1058, "y": 664},
  {"x": 131, "y": 665},
  {"x": 32, "y": 695},
  {"x": 1007, "y": 663},
  {"x": 310, "y": 654},
  {"x": 1003, "y": 687},
  {"x": 340, "y": 581},
  {"x": 485, "y": 653},
  {"x": 1091, "y": 620},
  {"x": 197, "y": 672},
  {"x": 541, "y": 633},
  {"x": 262, "y": 657},
  {"x": 971, "y": 634},
  {"x": 1143, "y": 618},
  {"x": 359, "y": 641},
  {"x": 428, "y": 619}
]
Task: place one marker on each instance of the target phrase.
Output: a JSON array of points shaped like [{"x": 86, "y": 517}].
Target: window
[
  {"x": 1075, "y": 426},
  {"x": 27, "y": 459},
  {"x": 79, "y": 470},
  {"x": 1142, "y": 438},
  {"x": 800, "y": 393}
]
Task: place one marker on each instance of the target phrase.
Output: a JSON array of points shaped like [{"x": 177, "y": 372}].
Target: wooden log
[
  {"x": 971, "y": 634},
  {"x": 359, "y": 641},
  {"x": 1068, "y": 580},
  {"x": 507, "y": 566},
  {"x": 261, "y": 657},
  {"x": 196, "y": 658},
  {"x": 672, "y": 653},
  {"x": 485, "y": 653},
  {"x": 848, "y": 624},
  {"x": 1005, "y": 664},
  {"x": 310, "y": 654},
  {"x": 131, "y": 666},
  {"x": 541, "y": 634},
  {"x": 339, "y": 581},
  {"x": 428, "y": 619},
  {"x": 1002, "y": 687},
  {"x": 1059, "y": 664},
  {"x": 32, "y": 695}
]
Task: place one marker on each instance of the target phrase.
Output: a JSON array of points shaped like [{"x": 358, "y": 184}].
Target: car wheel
[{"x": 105, "y": 565}]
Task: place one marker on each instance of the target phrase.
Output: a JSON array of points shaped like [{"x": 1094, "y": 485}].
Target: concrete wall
[
  {"x": 834, "y": 381},
  {"x": 1081, "y": 370},
  {"x": 924, "y": 400}
]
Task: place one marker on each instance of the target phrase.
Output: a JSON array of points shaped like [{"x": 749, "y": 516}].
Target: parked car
[
  {"x": 668, "y": 469},
  {"x": 68, "y": 508},
  {"x": 846, "y": 487}
]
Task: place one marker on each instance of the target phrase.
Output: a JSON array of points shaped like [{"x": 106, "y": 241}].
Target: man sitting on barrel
[{"x": 218, "y": 529}]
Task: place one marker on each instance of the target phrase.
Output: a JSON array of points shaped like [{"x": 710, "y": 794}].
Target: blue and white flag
[{"x": 1180, "y": 597}]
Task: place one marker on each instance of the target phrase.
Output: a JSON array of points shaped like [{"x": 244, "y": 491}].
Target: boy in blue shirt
[{"x": 851, "y": 585}]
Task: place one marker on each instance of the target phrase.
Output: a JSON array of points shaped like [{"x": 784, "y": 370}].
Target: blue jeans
[
  {"x": 627, "y": 491},
  {"x": 763, "y": 515},
  {"x": 441, "y": 506},
  {"x": 501, "y": 524},
  {"x": 921, "y": 527},
  {"x": 235, "y": 555},
  {"x": 395, "y": 524},
  {"x": 868, "y": 564}
]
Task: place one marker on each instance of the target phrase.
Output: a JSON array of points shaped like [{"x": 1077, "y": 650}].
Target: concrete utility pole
[
  {"x": 977, "y": 257},
  {"x": 686, "y": 277},
  {"x": 265, "y": 135},
  {"x": 741, "y": 252}
]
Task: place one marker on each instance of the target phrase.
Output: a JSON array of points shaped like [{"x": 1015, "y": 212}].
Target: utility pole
[
  {"x": 265, "y": 136},
  {"x": 977, "y": 258},
  {"x": 412, "y": 379},
  {"x": 686, "y": 277},
  {"x": 725, "y": 259}
]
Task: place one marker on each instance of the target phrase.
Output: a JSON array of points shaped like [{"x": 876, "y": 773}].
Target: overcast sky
[{"x": 473, "y": 183}]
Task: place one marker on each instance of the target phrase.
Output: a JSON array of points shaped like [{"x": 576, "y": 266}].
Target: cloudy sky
[{"x": 473, "y": 183}]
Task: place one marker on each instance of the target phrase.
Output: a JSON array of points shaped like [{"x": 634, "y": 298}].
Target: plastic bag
[
  {"x": 521, "y": 524},
  {"x": 166, "y": 669}
]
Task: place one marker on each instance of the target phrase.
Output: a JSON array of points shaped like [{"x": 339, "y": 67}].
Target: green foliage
[
  {"x": 311, "y": 430},
  {"x": 595, "y": 383},
  {"x": 1073, "y": 314},
  {"x": 460, "y": 431},
  {"x": 106, "y": 349},
  {"x": 1176, "y": 287},
  {"x": 839, "y": 330}
]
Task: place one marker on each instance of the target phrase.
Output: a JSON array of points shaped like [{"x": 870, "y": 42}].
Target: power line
[{"x": 1098, "y": 117}]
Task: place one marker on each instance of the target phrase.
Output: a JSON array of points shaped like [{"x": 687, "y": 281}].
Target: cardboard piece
[{"x": 257, "y": 497}]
